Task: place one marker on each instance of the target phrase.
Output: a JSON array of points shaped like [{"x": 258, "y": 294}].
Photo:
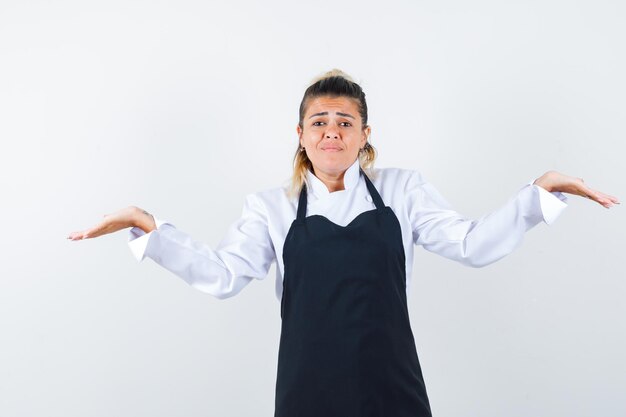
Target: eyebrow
[{"x": 324, "y": 113}]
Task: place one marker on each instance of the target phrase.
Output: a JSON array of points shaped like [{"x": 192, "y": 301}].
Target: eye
[
  {"x": 347, "y": 123},
  {"x": 315, "y": 123}
]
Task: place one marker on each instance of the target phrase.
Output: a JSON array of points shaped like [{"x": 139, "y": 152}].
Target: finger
[
  {"x": 94, "y": 232},
  {"x": 611, "y": 197},
  {"x": 600, "y": 198},
  {"x": 78, "y": 235},
  {"x": 608, "y": 199},
  {"x": 590, "y": 193},
  {"x": 587, "y": 192}
]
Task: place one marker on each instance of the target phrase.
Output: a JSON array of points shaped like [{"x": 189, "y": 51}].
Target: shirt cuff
[
  {"x": 139, "y": 241},
  {"x": 552, "y": 203}
]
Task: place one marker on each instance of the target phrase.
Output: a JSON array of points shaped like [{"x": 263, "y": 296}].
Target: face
[{"x": 332, "y": 134}]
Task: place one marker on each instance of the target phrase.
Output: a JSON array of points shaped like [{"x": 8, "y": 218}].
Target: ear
[
  {"x": 299, "y": 131},
  {"x": 366, "y": 134}
]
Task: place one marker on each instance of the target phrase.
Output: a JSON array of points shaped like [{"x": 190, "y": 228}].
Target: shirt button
[{"x": 368, "y": 198}]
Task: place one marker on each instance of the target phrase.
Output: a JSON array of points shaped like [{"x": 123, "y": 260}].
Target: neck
[{"x": 334, "y": 182}]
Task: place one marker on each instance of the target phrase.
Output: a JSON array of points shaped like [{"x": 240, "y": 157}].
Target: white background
[{"x": 184, "y": 107}]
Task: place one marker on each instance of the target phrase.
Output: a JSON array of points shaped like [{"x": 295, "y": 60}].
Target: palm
[
  {"x": 556, "y": 181},
  {"x": 110, "y": 223}
]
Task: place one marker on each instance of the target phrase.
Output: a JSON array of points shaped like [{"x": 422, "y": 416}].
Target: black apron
[{"x": 346, "y": 345}]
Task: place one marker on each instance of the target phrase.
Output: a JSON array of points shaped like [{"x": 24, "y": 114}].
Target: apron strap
[
  {"x": 302, "y": 203},
  {"x": 378, "y": 201}
]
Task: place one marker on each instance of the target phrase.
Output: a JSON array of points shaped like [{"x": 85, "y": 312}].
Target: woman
[{"x": 343, "y": 236}]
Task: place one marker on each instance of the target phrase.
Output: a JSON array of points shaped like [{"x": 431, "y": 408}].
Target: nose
[{"x": 331, "y": 133}]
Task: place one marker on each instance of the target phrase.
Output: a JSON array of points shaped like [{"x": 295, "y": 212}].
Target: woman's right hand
[{"x": 127, "y": 217}]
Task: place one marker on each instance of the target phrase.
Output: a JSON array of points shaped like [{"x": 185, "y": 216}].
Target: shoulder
[
  {"x": 271, "y": 199},
  {"x": 274, "y": 194},
  {"x": 398, "y": 179}
]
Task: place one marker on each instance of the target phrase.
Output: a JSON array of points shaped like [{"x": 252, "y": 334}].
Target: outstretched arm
[
  {"x": 244, "y": 254},
  {"x": 479, "y": 242}
]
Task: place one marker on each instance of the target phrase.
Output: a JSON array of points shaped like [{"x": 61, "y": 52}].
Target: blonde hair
[{"x": 335, "y": 83}]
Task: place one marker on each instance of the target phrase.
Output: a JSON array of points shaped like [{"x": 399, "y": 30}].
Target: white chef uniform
[{"x": 255, "y": 240}]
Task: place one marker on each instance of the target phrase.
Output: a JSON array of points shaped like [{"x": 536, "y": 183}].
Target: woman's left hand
[{"x": 555, "y": 181}]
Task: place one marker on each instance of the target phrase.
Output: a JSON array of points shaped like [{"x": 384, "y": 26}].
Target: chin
[{"x": 333, "y": 165}]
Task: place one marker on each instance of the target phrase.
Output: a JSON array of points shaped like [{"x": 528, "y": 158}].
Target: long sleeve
[
  {"x": 552, "y": 203},
  {"x": 245, "y": 253},
  {"x": 477, "y": 242},
  {"x": 138, "y": 239}
]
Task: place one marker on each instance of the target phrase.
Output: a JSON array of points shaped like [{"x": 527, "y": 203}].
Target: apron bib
[{"x": 346, "y": 345}]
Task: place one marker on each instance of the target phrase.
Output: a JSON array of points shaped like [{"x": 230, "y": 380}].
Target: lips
[{"x": 331, "y": 149}]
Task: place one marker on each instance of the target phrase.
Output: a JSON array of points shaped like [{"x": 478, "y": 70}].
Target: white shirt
[{"x": 255, "y": 240}]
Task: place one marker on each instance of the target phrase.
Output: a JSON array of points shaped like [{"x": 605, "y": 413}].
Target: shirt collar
[{"x": 350, "y": 180}]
